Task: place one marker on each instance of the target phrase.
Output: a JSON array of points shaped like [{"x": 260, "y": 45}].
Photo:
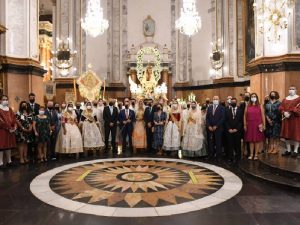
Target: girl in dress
[
  {"x": 159, "y": 121},
  {"x": 24, "y": 131},
  {"x": 139, "y": 140},
  {"x": 254, "y": 125},
  {"x": 41, "y": 127},
  {"x": 8, "y": 127},
  {"x": 69, "y": 139},
  {"x": 192, "y": 133},
  {"x": 172, "y": 134},
  {"x": 273, "y": 122},
  {"x": 91, "y": 135}
]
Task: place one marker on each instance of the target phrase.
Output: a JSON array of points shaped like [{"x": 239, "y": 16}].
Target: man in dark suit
[
  {"x": 234, "y": 127},
  {"x": 32, "y": 106},
  {"x": 215, "y": 118},
  {"x": 110, "y": 117},
  {"x": 78, "y": 111},
  {"x": 52, "y": 114},
  {"x": 148, "y": 119},
  {"x": 126, "y": 120}
]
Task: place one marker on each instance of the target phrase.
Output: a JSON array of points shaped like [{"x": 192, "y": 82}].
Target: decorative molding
[
  {"x": 223, "y": 80},
  {"x": 182, "y": 87},
  {"x": 21, "y": 66},
  {"x": 288, "y": 62}
]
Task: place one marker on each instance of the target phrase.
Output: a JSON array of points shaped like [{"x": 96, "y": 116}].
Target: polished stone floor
[{"x": 257, "y": 203}]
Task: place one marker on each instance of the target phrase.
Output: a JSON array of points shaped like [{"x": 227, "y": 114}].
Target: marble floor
[{"x": 256, "y": 203}]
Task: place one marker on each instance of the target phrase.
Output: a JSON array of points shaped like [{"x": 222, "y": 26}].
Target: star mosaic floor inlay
[{"x": 136, "y": 187}]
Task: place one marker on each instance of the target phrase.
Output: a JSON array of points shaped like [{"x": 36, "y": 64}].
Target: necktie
[
  {"x": 233, "y": 112},
  {"x": 214, "y": 109}
]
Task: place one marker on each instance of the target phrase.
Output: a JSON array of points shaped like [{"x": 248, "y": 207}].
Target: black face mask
[
  {"x": 149, "y": 104},
  {"x": 32, "y": 101},
  {"x": 95, "y": 105},
  {"x": 78, "y": 107},
  {"x": 50, "y": 108},
  {"x": 57, "y": 108},
  {"x": 247, "y": 98},
  {"x": 119, "y": 106},
  {"x": 233, "y": 105},
  {"x": 188, "y": 106},
  {"x": 272, "y": 97},
  {"x": 126, "y": 106},
  {"x": 194, "y": 107},
  {"x": 158, "y": 108},
  {"x": 207, "y": 102},
  {"x": 111, "y": 103}
]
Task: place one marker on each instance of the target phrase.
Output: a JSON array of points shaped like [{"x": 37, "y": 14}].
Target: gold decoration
[{"x": 89, "y": 84}]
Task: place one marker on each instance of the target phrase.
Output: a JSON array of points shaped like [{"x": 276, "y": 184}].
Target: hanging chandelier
[
  {"x": 189, "y": 22},
  {"x": 272, "y": 17},
  {"x": 94, "y": 24}
]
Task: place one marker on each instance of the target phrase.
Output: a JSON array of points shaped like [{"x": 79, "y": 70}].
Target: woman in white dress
[
  {"x": 69, "y": 138},
  {"x": 192, "y": 133},
  {"x": 172, "y": 134},
  {"x": 91, "y": 135}
]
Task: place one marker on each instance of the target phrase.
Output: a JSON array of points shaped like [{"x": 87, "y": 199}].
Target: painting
[
  {"x": 49, "y": 89},
  {"x": 249, "y": 30}
]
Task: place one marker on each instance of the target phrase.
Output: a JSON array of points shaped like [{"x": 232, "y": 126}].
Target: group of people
[{"x": 211, "y": 129}]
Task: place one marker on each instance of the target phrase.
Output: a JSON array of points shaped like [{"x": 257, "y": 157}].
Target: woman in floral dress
[{"x": 159, "y": 121}]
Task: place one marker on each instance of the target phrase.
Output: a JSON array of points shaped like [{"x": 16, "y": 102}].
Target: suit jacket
[
  {"x": 236, "y": 122},
  {"x": 54, "y": 119},
  {"x": 216, "y": 119},
  {"x": 148, "y": 116},
  {"x": 122, "y": 118},
  {"x": 110, "y": 118},
  {"x": 78, "y": 113},
  {"x": 35, "y": 109}
]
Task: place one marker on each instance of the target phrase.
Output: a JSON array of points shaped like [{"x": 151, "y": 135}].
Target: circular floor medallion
[{"x": 135, "y": 187}]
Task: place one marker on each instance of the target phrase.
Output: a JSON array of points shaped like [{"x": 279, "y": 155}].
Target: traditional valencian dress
[
  {"x": 91, "y": 135},
  {"x": 72, "y": 141},
  {"x": 193, "y": 135},
  {"x": 290, "y": 129},
  {"x": 139, "y": 139},
  {"x": 172, "y": 134},
  {"x": 7, "y": 122}
]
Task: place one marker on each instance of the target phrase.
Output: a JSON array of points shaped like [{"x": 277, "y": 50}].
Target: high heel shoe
[
  {"x": 255, "y": 158},
  {"x": 250, "y": 157}
]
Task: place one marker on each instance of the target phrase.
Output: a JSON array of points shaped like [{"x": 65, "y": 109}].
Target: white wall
[
  {"x": 96, "y": 49},
  {"x": 160, "y": 11},
  {"x": 201, "y": 47}
]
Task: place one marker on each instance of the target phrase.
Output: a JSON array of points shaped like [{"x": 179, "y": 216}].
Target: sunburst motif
[{"x": 136, "y": 183}]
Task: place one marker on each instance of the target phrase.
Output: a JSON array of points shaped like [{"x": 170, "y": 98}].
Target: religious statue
[{"x": 148, "y": 82}]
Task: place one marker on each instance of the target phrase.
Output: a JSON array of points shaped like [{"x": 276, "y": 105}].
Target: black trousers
[
  {"x": 113, "y": 131},
  {"x": 234, "y": 144},
  {"x": 149, "y": 135},
  {"x": 127, "y": 133},
  {"x": 215, "y": 143},
  {"x": 51, "y": 145}
]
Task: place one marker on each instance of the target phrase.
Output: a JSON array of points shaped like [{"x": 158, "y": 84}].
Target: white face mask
[
  {"x": 70, "y": 109},
  {"x": 292, "y": 92},
  {"x": 41, "y": 112},
  {"x": 216, "y": 102},
  {"x": 89, "y": 107},
  {"x": 5, "y": 103},
  {"x": 229, "y": 101},
  {"x": 175, "y": 106},
  {"x": 253, "y": 99}
]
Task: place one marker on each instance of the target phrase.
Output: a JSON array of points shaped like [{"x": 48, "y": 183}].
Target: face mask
[
  {"x": 41, "y": 112},
  {"x": 95, "y": 105},
  {"x": 229, "y": 101},
  {"x": 78, "y": 107},
  {"x": 247, "y": 98},
  {"x": 272, "y": 97},
  {"x": 207, "y": 102},
  {"x": 233, "y": 104},
  {"x": 24, "y": 107},
  {"x": 216, "y": 102},
  {"x": 111, "y": 103},
  {"x": 32, "y": 100},
  {"x": 57, "y": 108},
  {"x": 158, "y": 108},
  {"x": 193, "y": 107},
  {"x": 63, "y": 106},
  {"x": 253, "y": 99},
  {"x": 292, "y": 92},
  {"x": 5, "y": 103},
  {"x": 149, "y": 104},
  {"x": 89, "y": 107},
  {"x": 188, "y": 106},
  {"x": 70, "y": 108},
  {"x": 175, "y": 106},
  {"x": 126, "y": 106},
  {"x": 50, "y": 107}
]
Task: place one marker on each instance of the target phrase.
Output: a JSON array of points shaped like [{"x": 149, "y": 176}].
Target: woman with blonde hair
[{"x": 139, "y": 139}]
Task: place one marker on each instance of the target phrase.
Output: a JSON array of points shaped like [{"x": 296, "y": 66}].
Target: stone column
[{"x": 19, "y": 50}]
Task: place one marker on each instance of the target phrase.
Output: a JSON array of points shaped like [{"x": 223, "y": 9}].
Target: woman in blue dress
[
  {"x": 159, "y": 122},
  {"x": 273, "y": 122}
]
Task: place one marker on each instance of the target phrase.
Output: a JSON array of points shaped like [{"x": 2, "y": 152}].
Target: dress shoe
[
  {"x": 294, "y": 154},
  {"x": 286, "y": 153}
]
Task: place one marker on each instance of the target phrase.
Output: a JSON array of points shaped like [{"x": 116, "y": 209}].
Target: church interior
[{"x": 149, "y": 112}]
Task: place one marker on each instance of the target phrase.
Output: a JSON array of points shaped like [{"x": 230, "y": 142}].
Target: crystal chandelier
[
  {"x": 94, "y": 24},
  {"x": 272, "y": 17},
  {"x": 189, "y": 22},
  {"x": 63, "y": 58}
]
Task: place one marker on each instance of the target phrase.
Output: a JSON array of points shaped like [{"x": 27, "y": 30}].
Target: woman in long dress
[
  {"x": 69, "y": 139},
  {"x": 159, "y": 121},
  {"x": 91, "y": 135},
  {"x": 172, "y": 136},
  {"x": 192, "y": 133},
  {"x": 139, "y": 140}
]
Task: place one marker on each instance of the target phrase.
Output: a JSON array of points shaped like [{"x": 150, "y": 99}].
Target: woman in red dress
[
  {"x": 254, "y": 125},
  {"x": 8, "y": 126}
]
